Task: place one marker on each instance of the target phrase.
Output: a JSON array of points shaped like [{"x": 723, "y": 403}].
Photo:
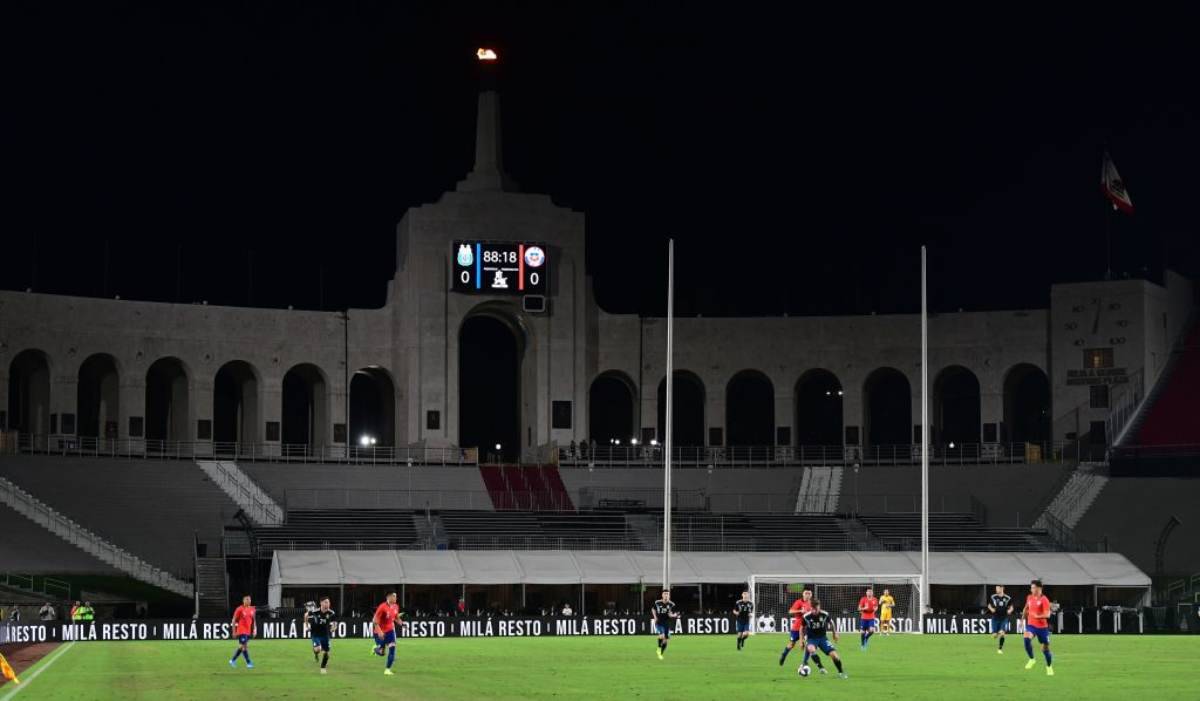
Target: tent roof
[{"x": 330, "y": 567}]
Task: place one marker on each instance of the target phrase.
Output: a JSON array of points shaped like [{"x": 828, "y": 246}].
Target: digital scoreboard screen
[{"x": 499, "y": 267}]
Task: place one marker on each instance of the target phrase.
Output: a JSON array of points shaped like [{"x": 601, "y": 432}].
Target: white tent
[{"x": 337, "y": 567}]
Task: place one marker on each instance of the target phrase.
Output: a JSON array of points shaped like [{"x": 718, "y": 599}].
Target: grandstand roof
[{"x": 332, "y": 567}]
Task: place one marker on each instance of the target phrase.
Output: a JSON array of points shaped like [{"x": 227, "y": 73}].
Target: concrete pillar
[
  {"x": 133, "y": 407},
  {"x": 270, "y": 412},
  {"x": 4, "y": 424},
  {"x": 200, "y": 397},
  {"x": 853, "y": 413},
  {"x": 64, "y": 395},
  {"x": 785, "y": 412}
]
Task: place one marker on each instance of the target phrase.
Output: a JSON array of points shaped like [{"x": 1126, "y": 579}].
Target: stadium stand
[
  {"x": 31, "y": 549},
  {"x": 371, "y": 486},
  {"x": 348, "y": 529},
  {"x": 1130, "y": 516},
  {"x": 589, "y": 530},
  {"x": 535, "y": 487},
  {"x": 953, "y": 532},
  {"x": 1172, "y": 415},
  {"x": 154, "y": 509}
]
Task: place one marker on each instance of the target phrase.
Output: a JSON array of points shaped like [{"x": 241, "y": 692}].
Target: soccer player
[
  {"x": 867, "y": 606},
  {"x": 245, "y": 627},
  {"x": 319, "y": 623},
  {"x": 886, "y": 602},
  {"x": 661, "y": 613},
  {"x": 743, "y": 609},
  {"x": 1037, "y": 623},
  {"x": 1000, "y": 606},
  {"x": 817, "y": 624},
  {"x": 384, "y": 623},
  {"x": 799, "y": 607}
]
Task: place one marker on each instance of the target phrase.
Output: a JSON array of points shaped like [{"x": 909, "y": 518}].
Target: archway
[
  {"x": 956, "y": 407},
  {"x": 887, "y": 408},
  {"x": 29, "y": 393},
  {"x": 819, "y": 397},
  {"x": 687, "y": 410},
  {"x": 372, "y": 408},
  {"x": 235, "y": 403},
  {"x": 97, "y": 397},
  {"x": 305, "y": 406},
  {"x": 1026, "y": 404},
  {"x": 611, "y": 414},
  {"x": 490, "y": 349},
  {"x": 750, "y": 409},
  {"x": 167, "y": 407}
]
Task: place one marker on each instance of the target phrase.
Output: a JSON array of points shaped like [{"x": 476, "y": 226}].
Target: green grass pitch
[{"x": 698, "y": 667}]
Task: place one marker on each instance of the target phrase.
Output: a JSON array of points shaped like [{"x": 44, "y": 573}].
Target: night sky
[{"x": 798, "y": 159}]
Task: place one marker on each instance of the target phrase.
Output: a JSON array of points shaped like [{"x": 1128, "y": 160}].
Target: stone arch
[
  {"x": 372, "y": 407},
  {"x": 236, "y": 406},
  {"x": 168, "y": 405},
  {"x": 750, "y": 409},
  {"x": 612, "y": 413},
  {"x": 688, "y": 410},
  {"x": 819, "y": 396},
  {"x": 305, "y": 411},
  {"x": 887, "y": 408},
  {"x": 1026, "y": 404},
  {"x": 496, "y": 385},
  {"x": 29, "y": 392},
  {"x": 956, "y": 407},
  {"x": 98, "y": 397}
]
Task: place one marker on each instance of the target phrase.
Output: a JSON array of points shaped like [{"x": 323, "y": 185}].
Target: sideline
[{"x": 27, "y": 681}]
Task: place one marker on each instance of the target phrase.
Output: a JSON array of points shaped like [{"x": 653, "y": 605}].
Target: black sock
[
  {"x": 817, "y": 661},
  {"x": 837, "y": 661},
  {"x": 315, "y": 655},
  {"x": 324, "y": 660},
  {"x": 1002, "y": 642}
]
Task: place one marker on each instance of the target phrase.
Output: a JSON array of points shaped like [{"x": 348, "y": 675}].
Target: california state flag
[{"x": 1114, "y": 187}]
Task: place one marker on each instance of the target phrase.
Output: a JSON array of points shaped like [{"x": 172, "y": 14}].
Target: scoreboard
[{"x": 499, "y": 267}]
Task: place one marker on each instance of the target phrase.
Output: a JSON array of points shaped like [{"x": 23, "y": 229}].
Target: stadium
[{"x": 510, "y": 460}]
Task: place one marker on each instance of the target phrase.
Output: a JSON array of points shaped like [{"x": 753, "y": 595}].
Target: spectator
[
  {"x": 47, "y": 613},
  {"x": 75, "y": 612},
  {"x": 462, "y": 606},
  {"x": 86, "y": 613},
  {"x": 14, "y": 615},
  {"x": 567, "y": 610}
]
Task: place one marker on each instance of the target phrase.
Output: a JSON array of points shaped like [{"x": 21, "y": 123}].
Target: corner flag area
[{"x": 695, "y": 668}]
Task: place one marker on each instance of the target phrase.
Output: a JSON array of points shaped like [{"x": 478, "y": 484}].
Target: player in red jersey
[
  {"x": 867, "y": 606},
  {"x": 384, "y": 623},
  {"x": 1037, "y": 624},
  {"x": 244, "y": 627},
  {"x": 799, "y": 607}
]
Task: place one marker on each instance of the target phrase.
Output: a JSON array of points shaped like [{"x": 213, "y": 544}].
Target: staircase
[
  {"x": 212, "y": 588},
  {"x": 1077, "y": 495},
  {"x": 244, "y": 491},
  {"x": 645, "y": 528},
  {"x": 59, "y": 524},
  {"x": 820, "y": 490}
]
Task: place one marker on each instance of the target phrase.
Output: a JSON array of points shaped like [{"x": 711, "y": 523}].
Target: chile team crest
[{"x": 534, "y": 257}]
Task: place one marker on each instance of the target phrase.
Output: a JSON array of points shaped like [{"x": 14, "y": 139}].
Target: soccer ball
[{"x": 803, "y": 671}]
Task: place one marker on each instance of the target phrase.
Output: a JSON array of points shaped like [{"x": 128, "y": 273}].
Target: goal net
[{"x": 774, "y": 594}]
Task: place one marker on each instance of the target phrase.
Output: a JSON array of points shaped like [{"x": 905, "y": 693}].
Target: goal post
[{"x": 773, "y": 595}]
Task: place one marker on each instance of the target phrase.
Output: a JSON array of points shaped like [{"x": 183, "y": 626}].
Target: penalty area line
[{"x": 27, "y": 681}]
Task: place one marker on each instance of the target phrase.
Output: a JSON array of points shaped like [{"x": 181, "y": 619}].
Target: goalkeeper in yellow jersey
[{"x": 886, "y": 602}]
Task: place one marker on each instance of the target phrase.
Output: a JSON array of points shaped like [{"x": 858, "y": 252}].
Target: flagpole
[
  {"x": 924, "y": 445},
  {"x": 668, "y": 415}
]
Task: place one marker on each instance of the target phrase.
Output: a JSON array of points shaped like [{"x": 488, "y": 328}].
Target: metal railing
[
  {"x": 88, "y": 446},
  {"x": 244, "y": 492},
  {"x": 580, "y": 455},
  {"x": 41, "y": 513},
  {"x": 772, "y": 456},
  {"x": 1124, "y": 405}
]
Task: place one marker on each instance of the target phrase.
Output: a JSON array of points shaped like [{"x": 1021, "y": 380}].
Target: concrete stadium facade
[{"x": 73, "y": 367}]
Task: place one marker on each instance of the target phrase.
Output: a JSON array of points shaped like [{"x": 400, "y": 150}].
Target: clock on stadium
[{"x": 499, "y": 267}]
